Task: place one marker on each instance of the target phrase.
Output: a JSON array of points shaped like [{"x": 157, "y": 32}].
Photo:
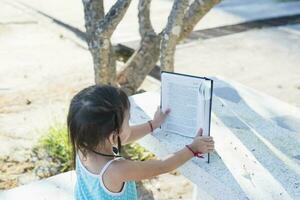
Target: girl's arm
[
  {"x": 141, "y": 130},
  {"x": 126, "y": 170},
  {"x": 139, "y": 170}
]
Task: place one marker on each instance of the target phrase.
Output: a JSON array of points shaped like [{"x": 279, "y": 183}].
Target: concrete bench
[
  {"x": 59, "y": 187},
  {"x": 257, "y": 145},
  {"x": 257, "y": 149}
]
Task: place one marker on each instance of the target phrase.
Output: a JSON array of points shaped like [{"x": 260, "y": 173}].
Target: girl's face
[{"x": 124, "y": 134}]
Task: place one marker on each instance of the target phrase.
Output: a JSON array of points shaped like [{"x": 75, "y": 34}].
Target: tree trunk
[
  {"x": 99, "y": 29},
  {"x": 152, "y": 46},
  {"x": 171, "y": 34}
]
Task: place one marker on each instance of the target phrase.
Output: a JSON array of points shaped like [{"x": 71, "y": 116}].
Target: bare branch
[
  {"x": 93, "y": 13},
  {"x": 171, "y": 33},
  {"x": 108, "y": 24},
  {"x": 133, "y": 73},
  {"x": 145, "y": 26},
  {"x": 195, "y": 12},
  {"x": 143, "y": 60}
]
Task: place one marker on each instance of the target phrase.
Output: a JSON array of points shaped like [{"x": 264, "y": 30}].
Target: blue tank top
[{"x": 90, "y": 186}]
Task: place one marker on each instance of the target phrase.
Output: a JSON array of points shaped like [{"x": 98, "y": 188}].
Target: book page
[{"x": 189, "y": 100}]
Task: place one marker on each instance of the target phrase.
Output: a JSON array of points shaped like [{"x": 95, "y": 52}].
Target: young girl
[{"x": 98, "y": 124}]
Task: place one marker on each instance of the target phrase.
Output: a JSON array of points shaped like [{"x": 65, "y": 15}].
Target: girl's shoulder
[
  {"x": 114, "y": 166},
  {"x": 111, "y": 175}
]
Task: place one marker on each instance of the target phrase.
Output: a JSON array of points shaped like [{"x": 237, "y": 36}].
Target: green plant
[
  {"x": 134, "y": 151},
  {"x": 56, "y": 143}
]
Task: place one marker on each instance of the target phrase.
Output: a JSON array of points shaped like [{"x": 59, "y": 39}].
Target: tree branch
[
  {"x": 195, "y": 12},
  {"x": 143, "y": 60},
  {"x": 108, "y": 24},
  {"x": 93, "y": 13},
  {"x": 171, "y": 33},
  {"x": 133, "y": 73},
  {"x": 145, "y": 26}
]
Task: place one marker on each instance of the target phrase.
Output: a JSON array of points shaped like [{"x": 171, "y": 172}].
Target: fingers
[
  {"x": 207, "y": 139},
  {"x": 210, "y": 147},
  {"x": 158, "y": 110},
  {"x": 160, "y": 116},
  {"x": 200, "y": 132},
  {"x": 168, "y": 111},
  {"x": 210, "y": 150}
]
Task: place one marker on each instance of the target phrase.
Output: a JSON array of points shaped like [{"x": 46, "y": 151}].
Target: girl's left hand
[{"x": 159, "y": 117}]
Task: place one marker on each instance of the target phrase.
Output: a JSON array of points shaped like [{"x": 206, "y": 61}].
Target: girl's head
[{"x": 97, "y": 116}]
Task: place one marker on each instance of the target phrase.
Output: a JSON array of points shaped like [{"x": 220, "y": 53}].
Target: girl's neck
[
  {"x": 93, "y": 156},
  {"x": 106, "y": 151}
]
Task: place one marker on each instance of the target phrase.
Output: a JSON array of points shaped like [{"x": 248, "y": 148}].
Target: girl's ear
[{"x": 113, "y": 138}]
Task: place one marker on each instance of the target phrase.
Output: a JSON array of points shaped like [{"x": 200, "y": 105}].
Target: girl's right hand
[{"x": 203, "y": 144}]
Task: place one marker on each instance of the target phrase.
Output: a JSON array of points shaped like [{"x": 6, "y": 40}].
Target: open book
[{"x": 190, "y": 100}]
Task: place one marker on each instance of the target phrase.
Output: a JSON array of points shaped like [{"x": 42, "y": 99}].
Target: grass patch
[
  {"x": 56, "y": 144},
  {"x": 134, "y": 151}
]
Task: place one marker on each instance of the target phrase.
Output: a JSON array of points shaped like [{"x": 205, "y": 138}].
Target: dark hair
[{"x": 94, "y": 113}]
